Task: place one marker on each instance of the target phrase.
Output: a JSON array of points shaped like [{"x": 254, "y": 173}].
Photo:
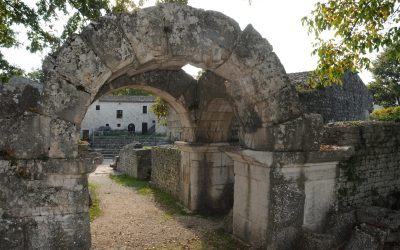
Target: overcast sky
[{"x": 277, "y": 20}]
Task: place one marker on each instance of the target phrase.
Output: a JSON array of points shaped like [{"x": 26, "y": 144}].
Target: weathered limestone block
[
  {"x": 37, "y": 136},
  {"x": 250, "y": 48},
  {"x": 25, "y": 137},
  {"x": 256, "y": 74},
  {"x": 207, "y": 177},
  {"x": 340, "y": 225},
  {"x": 63, "y": 99},
  {"x": 300, "y": 134},
  {"x": 44, "y": 203},
  {"x": 251, "y": 195},
  {"x": 176, "y": 83},
  {"x": 64, "y": 138},
  {"x": 78, "y": 64},
  {"x": 144, "y": 29},
  {"x": 366, "y": 237},
  {"x": 316, "y": 241},
  {"x": 380, "y": 217},
  {"x": 70, "y": 231},
  {"x": 109, "y": 43},
  {"x": 19, "y": 95},
  {"x": 205, "y": 38}
]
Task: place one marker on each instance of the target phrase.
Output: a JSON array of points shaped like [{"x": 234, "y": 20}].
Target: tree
[
  {"x": 386, "y": 85},
  {"x": 161, "y": 110},
  {"x": 346, "y": 30},
  {"x": 129, "y": 92},
  {"x": 37, "y": 21}
]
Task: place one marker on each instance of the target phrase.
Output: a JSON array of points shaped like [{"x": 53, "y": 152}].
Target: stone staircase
[{"x": 110, "y": 147}]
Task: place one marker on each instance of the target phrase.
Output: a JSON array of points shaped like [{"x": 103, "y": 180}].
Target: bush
[{"x": 387, "y": 114}]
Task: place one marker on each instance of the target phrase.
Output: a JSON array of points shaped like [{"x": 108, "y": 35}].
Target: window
[
  {"x": 97, "y": 107},
  {"x": 119, "y": 114},
  {"x": 119, "y": 125},
  {"x": 144, "y": 109}
]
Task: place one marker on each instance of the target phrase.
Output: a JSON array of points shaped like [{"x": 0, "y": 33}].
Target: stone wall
[
  {"x": 135, "y": 162},
  {"x": 166, "y": 169},
  {"x": 348, "y": 102},
  {"x": 373, "y": 172}
]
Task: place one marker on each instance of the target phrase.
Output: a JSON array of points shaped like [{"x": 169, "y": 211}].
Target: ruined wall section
[
  {"x": 374, "y": 170},
  {"x": 166, "y": 169},
  {"x": 348, "y": 102},
  {"x": 135, "y": 162}
]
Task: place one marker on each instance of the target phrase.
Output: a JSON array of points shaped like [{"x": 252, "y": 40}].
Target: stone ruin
[{"x": 285, "y": 179}]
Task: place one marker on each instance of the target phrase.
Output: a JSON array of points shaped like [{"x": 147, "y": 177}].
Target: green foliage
[
  {"x": 129, "y": 92},
  {"x": 387, "y": 114},
  {"x": 161, "y": 110},
  {"x": 142, "y": 187},
  {"x": 346, "y": 30},
  {"x": 95, "y": 210},
  {"x": 38, "y": 19},
  {"x": 385, "y": 88}
]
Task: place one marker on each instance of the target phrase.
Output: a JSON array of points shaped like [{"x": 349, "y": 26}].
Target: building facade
[{"x": 125, "y": 113}]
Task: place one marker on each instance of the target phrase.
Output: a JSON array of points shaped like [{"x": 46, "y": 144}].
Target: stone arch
[
  {"x": 176, "y": 87},
  {"x": 167, "y": 37}
]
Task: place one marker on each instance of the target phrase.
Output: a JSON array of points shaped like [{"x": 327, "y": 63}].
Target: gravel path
[{"x": 133, "y": 221}]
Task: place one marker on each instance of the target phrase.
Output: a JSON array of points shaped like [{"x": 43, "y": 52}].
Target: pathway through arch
[{"x": 133, "y": 221}]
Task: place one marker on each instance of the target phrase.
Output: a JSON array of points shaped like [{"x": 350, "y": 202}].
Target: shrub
[{"x": 387, "y": 114}]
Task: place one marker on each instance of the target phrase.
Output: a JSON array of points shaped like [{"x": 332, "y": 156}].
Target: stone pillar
[
  {"x": 44, "y": 203},
  {"x": 207, "y": 177},
  {"x": 252, "y": 195}
]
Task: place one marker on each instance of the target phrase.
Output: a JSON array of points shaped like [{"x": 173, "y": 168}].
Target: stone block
[
  {"x": 78, "y": 64},
  {"x": 380, "y": 217},
  {"x": 340, "y": 225},
  {"x": 213, "y": 34},
  {"x": 109, "y": 43},
  {"x": 64, "y": 138},
  {"x": 366, "y": 237},
  {"x": 64, "y": 100},
  {"x": 25, "y": 137},
  {"x": 316, "y": 241},
  {"x": 18, "y": 96},
  {"x": 145, "y": 34}
]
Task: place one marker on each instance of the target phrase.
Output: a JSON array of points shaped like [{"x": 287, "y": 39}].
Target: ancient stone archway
[
  {"x": 125, "y": 49},
  {"x": 168, "y": 37}
]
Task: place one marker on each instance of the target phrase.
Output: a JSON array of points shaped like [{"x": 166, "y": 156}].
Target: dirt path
[{"x": 133, "y": 221}]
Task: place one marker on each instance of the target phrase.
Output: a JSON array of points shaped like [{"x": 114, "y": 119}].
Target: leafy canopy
[
  {"x": 38, "y": 22},
  {"x": 346, "y": 30},
  {"x": 385, "y": 88}
]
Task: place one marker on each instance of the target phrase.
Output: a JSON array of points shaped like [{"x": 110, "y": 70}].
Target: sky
[{"x": 276, "y": 20}]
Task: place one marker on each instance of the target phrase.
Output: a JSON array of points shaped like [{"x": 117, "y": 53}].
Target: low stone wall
[
  {"x": 135, "y": 162},
  {"x": 374, "y": 170},
  {"x": 166, "y": 169}
]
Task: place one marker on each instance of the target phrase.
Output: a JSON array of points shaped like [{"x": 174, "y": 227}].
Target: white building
[{"x": 130, "y": 113}]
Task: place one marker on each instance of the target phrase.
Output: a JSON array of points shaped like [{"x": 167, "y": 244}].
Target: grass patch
[
  {"x": 143, "y": 187},
  {"x": 212, "y": 239},
  {"x": 218, "y": 239},
  {"x": 95, "y": 210}
]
